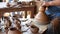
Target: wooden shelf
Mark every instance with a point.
(30, 8)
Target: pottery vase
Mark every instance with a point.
(41, 16)
(17, 24)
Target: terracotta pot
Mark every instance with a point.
(17, 24)
(7, 23)
(34, 29)
(14, 31)
(8, 4)
(41, 17)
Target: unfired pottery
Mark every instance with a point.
(41, 17)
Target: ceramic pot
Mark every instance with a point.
(8, 4)
(41, 17)
(17, 24)
(34, 29)
(7, 23)
(14, 31)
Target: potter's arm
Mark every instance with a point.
(52, 3)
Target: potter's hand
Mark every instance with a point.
(51, 3)
(45, 4)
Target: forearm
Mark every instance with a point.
(52, 3)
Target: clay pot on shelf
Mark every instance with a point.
(14, 31)
(23, 3)
(8, 4)
(34, 29)
(32, 3)
(41, 17)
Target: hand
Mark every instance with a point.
(45, 4)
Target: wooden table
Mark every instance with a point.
(42, 28)
(24, 29)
